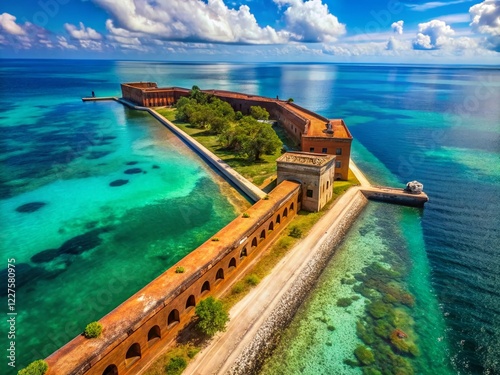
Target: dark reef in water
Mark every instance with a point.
(30, 207)
(118, 182)
(155, 166)
(97, 155)
(132, 163)
(83, 242)
(133, 171)
(45, 256)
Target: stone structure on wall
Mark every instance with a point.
(315, 173)
(310, 131)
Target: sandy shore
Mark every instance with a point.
(257, 320)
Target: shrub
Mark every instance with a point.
(215, 239)
(176, 365)
(179, 270)
(93, 330)
(38, 367)
(238, 288)
(212, 316)
(246, 215)
(295, 232)
(364, 355)
(192, 352)
(252, 279)
(330, 327)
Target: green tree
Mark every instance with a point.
(39, 367)
(212, 316)
(184, 107)
(258, 138)
(259, 113)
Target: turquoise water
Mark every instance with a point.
(97, 200)
(440, 125)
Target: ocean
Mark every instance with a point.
(429, 275)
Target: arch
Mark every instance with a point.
(173, 317)
(278, 219)
(292, 206)
(232, 263)
(191, 302)
(154, 334)
(271, 226)
(243, 253)
(254, 242)
(110, 370)
(262, 236)
(220, 274)
(133, 354)
(285, 212)
(327, 184)
(205, 287)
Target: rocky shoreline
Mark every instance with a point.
(265, 341)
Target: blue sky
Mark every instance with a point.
(397, 31)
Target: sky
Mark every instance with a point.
(371, 31)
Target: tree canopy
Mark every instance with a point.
(244, 135)
(212, 316)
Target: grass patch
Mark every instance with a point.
(174, 361)
(255, 171)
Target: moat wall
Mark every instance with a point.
(141, 327)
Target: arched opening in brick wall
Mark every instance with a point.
(243, 253)
(292, 206)
(278, 219)
(285, 212)
(262, 236)
(219, 275)
(154, 335)
(173, 318)
(271, 226)
(205, 287)
(254, 242)
(110, 370)
(232, 264)
(191, 302)
(133, 354)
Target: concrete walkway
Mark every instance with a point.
(249, 315)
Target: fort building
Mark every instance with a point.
(310, 131)
(315, 173)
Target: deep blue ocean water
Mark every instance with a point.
(439, 125)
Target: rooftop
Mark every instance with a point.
(305, 158)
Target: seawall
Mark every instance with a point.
(252, 191)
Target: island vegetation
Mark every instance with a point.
(250, 144)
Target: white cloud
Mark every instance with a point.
(434, 34)
(82, 33)
(64, 44)
(190, 20)
(9, 25)
(397, 27)
(486, 20)
(311, 21)
(434, 4)
(455, 18)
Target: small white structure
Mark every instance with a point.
(414, 187)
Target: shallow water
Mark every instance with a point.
(97, 201)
